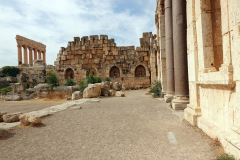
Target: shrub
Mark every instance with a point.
(82, 85)
(5, 90)
(10, 71)
(156, 89)
(91, 79)
(52, 79)
(69, 82)
(226, 157)
(107, 79)
(98, 79)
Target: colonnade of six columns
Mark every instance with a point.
(29, 56)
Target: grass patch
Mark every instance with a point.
(226, 157)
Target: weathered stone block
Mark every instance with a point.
(9, 118)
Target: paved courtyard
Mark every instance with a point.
(135, 127)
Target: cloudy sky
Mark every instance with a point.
(55, 22)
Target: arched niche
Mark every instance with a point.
(114, 72)
(91, 71)
(140, 71)
(69, 74)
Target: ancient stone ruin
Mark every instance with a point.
(101, 57)
(29, 45)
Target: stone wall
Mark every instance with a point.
(101, 57)
(213, 35)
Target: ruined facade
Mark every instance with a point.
(101, 57)
(213, 38)
(29, 46)
(213, 57)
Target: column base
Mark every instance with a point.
(180, 103)
(168, 98)
(191, 114)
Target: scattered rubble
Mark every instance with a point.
(29, 119)
(9, 118)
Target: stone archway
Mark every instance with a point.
(140, 71)
(69, 74)
(91, 71)
(114, 72)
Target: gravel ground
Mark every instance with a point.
(28, 105)
(134, 127)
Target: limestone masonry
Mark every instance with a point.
(101, 57)
(206, 33)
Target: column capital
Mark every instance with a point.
(19, 45)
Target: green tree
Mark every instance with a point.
(156, 89)
(5, 90)
(91, 79)
(82, 85)
(10, 71)
(69, 82)
(52, 79)
(98, 79)
(107, 79)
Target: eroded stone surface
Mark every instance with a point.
(92, 91)
(29, 119)
(9, 118)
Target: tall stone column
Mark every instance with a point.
(30, 56)
(169, 51)
(19, 54)
(44, 57)
(162, 52)
(25, 55)
(35, 54)
(180, 54)
(39, 55)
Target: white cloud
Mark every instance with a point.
(55, 22)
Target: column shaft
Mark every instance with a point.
(35, 54)
(30, 56)
(39, 55)
(180, 48)
(169, 47)
(44, 57)
(19, 54)
(25, 55)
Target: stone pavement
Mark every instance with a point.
(132, 127)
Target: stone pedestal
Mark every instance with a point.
(180, 103)
(168, 98)
(191, 114)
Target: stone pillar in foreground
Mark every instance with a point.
(30, 56)
(25, 55)
(35, 54)
(19, 54)
(39, 55)
(169, 51)
(180, 55)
